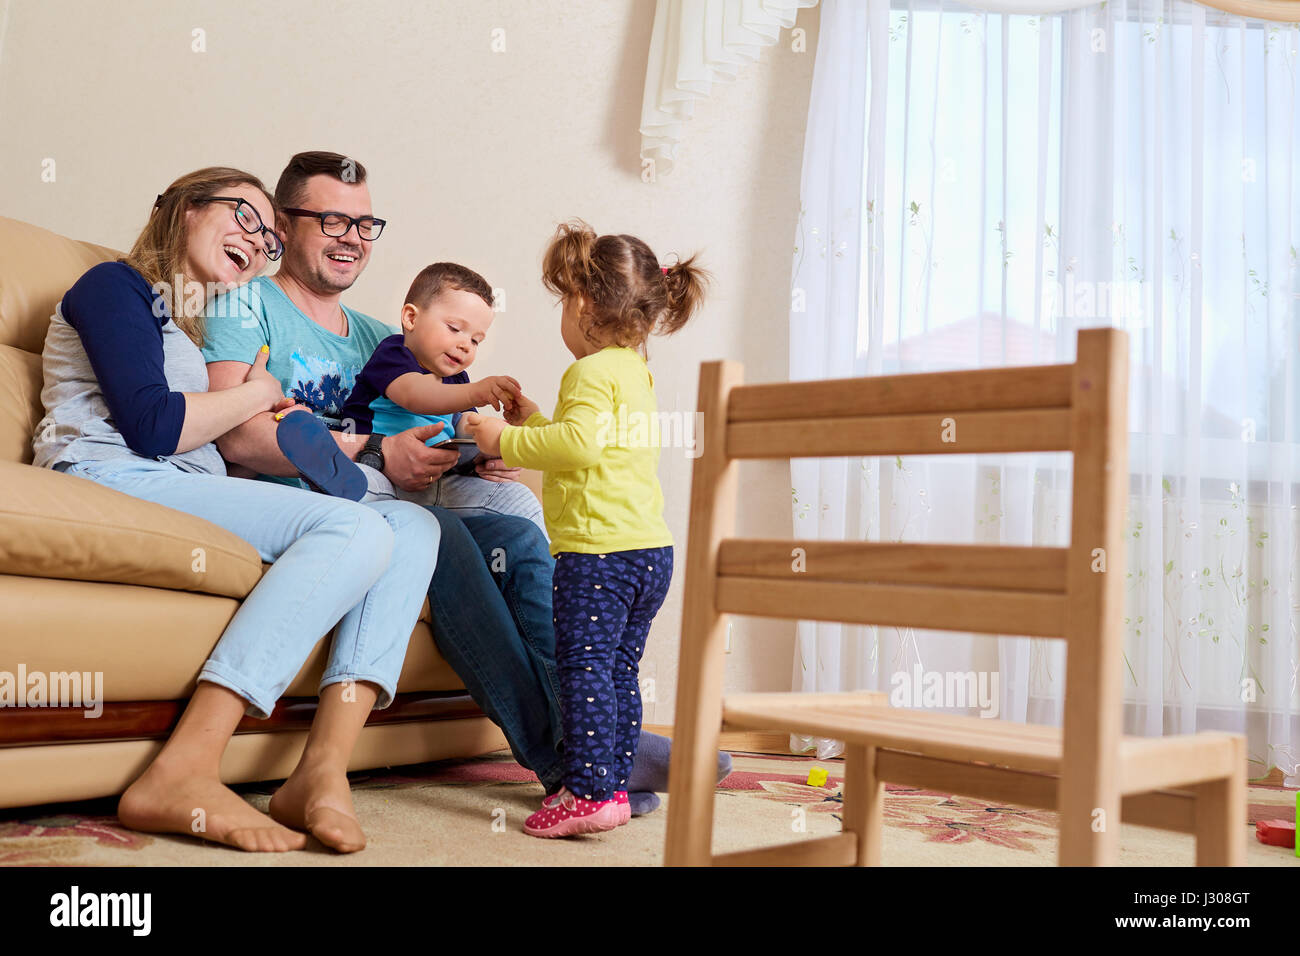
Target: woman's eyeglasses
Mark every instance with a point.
(251, 223)
(336, 224)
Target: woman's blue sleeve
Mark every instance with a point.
(112, 308)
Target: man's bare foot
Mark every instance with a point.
(320, 802)
(164, 800)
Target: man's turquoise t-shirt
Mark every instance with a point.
(315, 367)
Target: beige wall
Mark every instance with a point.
(473, 155)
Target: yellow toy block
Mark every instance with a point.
(817, 777)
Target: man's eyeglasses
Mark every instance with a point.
(251, 223)
(336, 224)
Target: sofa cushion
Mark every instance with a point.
(54, 525)
(20, 403)
(39, 266)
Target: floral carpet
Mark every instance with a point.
(469, 812)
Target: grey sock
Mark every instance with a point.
(642, 802)
(650, 765)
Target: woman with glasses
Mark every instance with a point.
(127, 406)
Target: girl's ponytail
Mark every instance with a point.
(625, 294)
(684, 284)
(567, 264)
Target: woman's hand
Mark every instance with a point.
(286, 405)
(520, 410)
(266, 383)
(486, 433)
(496, 390)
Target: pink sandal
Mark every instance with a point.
(564, 814)
(624, 808)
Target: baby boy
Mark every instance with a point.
(418, 377)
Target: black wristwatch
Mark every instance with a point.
(373, 453)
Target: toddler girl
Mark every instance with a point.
(602, 503)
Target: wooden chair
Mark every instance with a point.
(1087, 770)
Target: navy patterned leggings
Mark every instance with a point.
(604, 604)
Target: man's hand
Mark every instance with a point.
(520, 410)
(494, 469)
(486, 433)
(412, 465)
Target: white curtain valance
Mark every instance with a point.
(694, 44)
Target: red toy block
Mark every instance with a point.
(1275, 832)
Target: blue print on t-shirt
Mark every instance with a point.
(321, 384)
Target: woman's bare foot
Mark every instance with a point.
(319, 800)
(167, 800)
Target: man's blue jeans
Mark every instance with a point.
(491, 603)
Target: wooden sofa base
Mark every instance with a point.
(43, 772)
(124, 720)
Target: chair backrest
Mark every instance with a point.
(1075, 593)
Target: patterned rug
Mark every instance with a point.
(469, 812)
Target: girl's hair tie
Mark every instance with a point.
(664, 270)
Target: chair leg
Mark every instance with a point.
(1221, 817)
(1089, 837)
(693, 766)
(692, 769)
(692, 784)
(864, 798)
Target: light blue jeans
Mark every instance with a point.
(365, 567)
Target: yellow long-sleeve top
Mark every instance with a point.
(599, 457)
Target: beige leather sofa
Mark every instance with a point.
(96, 582)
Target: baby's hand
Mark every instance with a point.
(520, 410)
(496, 390)
(486, 432)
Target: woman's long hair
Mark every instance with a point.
(159, 251)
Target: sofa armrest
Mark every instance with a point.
(54, 525)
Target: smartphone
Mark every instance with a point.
(469, 453)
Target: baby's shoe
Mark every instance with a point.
(624, 808)
(564, 814)
(307, 443)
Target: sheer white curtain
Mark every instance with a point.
(978, 189)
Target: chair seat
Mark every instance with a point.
(1145, 763)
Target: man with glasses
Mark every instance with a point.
(336, 224)
(494, 627)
